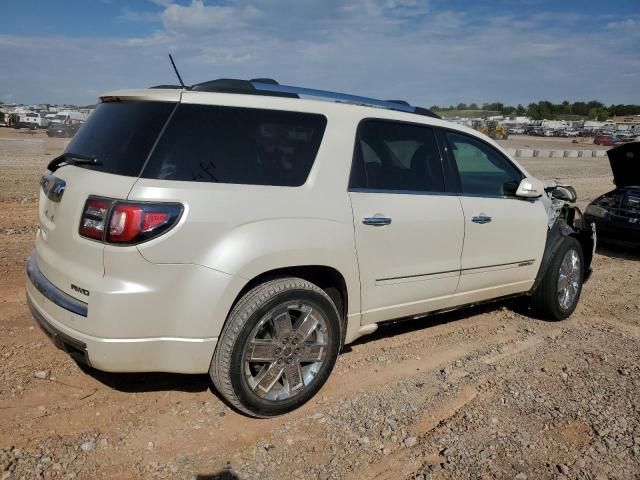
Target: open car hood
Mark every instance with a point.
(625, 164)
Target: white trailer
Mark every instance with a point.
(67, 116)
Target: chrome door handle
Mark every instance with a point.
(482, 218)
(376, 221)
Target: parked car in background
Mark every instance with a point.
(31, 120)
(569, 132)
(617, 213)
(516, 131)
(606, 140)
(68, 117)
(67, 129)
(626, 137)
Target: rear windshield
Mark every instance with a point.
(206, 143)
(120, 135)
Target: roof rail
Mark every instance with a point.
(399, 105)
(268, 86)
(402, 102)
(333, 96)
(264, 80)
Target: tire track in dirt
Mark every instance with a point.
(402, 463)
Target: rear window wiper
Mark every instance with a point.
(72, 159)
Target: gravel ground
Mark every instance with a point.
(484, 393)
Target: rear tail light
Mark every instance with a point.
(94, 218)
(121, 222)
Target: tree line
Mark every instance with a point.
(544, 109)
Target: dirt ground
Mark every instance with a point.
(483, 393)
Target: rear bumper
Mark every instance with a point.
(50, 307)
(74, 347)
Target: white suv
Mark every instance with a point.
(235, 228)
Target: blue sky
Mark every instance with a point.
(427, 52)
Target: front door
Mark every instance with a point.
(504, 235)
(408, 231)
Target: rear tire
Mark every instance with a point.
(277, 348)
(557, 295)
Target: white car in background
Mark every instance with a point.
(569, 132)
(32, 120)
(249, 230)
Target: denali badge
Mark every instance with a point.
(79, 290)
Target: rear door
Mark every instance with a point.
(408, 230)
(120, 136)
(504, 235)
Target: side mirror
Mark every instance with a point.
(530, 188)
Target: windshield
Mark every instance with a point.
(120, 135)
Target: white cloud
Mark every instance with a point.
(200, 17)
(627, 25)
(385, 48)
(219, 56)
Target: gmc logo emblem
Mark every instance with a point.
(76, 288)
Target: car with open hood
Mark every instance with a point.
(616, 214)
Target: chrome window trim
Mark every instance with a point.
(439, 194)
(53, 293)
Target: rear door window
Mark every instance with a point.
(396, 157)
(120, 135)
(205, 143)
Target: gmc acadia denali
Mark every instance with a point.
(249, 230)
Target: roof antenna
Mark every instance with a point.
(175, 69)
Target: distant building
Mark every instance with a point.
(593, 125)
(555, 124)
(626, 120)
(626, 123)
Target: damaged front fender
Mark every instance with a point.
(568, 222)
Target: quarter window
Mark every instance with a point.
(483, 170)
(237, 145)
(396, 157)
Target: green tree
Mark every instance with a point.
(533, 111)
(520, 110)
(580, 108)
(474, 106)
(598, 113)
(494, 107)
(461, 106)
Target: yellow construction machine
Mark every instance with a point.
(492, 129)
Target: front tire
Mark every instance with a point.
(557, 295)
(277, 348)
